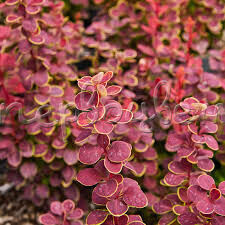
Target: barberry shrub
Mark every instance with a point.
(112, 111)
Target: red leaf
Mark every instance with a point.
(116, 207)
(135, 197)
(119, 151)
(112, 167)
(68, 206)
(56, 208)
(48, 219)
(89, 154)
(96, 217)
(206, 182)
(88, 177)
(106, 189)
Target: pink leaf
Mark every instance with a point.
(48, 219)
(113, 167)
(188, 218)
(135, 197)
(107, 188)
(196, 193)
(211, 142)
(113, 90)
(89, 154)
(88, 177)
(96, 217)
(56, 208)
(205, 206)
(162, 207)
(103, 127)
(119, 151)
(68, 206)
(206, 182)
(28, 170)
(116, 207)
(222, 187)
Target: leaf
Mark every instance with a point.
(68, 174)
(113, 111)
(122, 219)
(103, 127)
(88, 176)
(75, 214)
(41, 77)
(173, 179)
(119, 151)
(206, 182)
(96, 113)
(37, 40)
(136, 223)
(26, 148)
(96, 217)
(130, 53)
(177, 168)
(68, 206)
(103, 140)
(11, 2)
(113, 90)
(102, 90)
(208, 127)
(179, 209)
(196, 193)
(28, 170)
(70, 157)
(182, 194)
(135, 197)
(42, 191)
(133, 218)
(206, 165)
(107, 77)
(117, 207)
(25, 47)
(222, 187)
(13, 19)
(48, 219)
(112, 167)
(126, 116)
(188, 218)
(32, 9)
(89, 154)
(84, 134)
(85, 100)
(137, 168)
(220, 206)
(205, 206)
(56, 208)
(30, 25)
(214, 194)
(211, 142)
(162, 207)
(107, 188)
(151, 168)
(211, 110)
(40, 150)
(84, 82)
(56, 91)
(167, 219)
(98, 200)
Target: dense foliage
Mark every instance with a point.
(113, 111)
